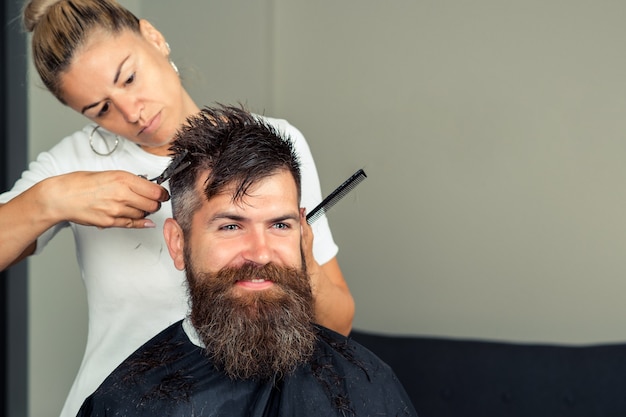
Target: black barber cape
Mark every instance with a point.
(170, 376)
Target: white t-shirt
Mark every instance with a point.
(133, 289)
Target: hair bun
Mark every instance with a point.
(34, 11)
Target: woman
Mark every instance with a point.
(100, 60)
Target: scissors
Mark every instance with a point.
(176, 166)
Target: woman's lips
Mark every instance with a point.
(151, 126)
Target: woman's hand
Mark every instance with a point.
(334, 305)
(103, 199)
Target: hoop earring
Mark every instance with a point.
(175, 67)
(117, 141)
(169, 50)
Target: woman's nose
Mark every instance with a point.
(129, 108)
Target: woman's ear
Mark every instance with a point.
(175, 241)
(152, 35)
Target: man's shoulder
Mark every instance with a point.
(146, 376)
(356, 378)
(349, 351)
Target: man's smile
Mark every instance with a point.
(255, 284)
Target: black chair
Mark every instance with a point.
(455, 378)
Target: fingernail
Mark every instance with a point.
(149, 224)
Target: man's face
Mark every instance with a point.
(251, 298)
(263, 228)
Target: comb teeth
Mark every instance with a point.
(334, 197)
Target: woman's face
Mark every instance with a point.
(125, 83)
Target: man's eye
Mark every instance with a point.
(230, 227)
(281, 226)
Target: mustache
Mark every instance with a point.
(228, 276)
(247, 272)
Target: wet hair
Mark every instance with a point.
(61, 27)
(237, 148)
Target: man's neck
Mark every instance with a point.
(191, 333)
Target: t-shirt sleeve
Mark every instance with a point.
(324, 247)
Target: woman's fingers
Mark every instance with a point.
(107, 199)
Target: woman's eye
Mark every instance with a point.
(104, 109)
(130, 79)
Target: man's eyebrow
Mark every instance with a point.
(115, 79)
(294, 217)
(226, 216)
(239, 218)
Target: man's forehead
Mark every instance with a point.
(283, 176)
(278, 190)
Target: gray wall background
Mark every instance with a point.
(493, 134)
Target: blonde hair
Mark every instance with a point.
(60, 27)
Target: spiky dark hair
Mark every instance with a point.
(237, 149)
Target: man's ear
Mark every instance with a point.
(175, 241)
(152, 35)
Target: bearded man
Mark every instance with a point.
(249, 346)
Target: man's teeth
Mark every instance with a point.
(257, 280)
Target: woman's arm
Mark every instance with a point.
(334, 305)
(22, 220)
(15, 242)
(102, 199)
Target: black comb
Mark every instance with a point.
(332, 199)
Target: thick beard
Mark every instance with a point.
(254, 334)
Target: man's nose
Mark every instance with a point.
(257, 248)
